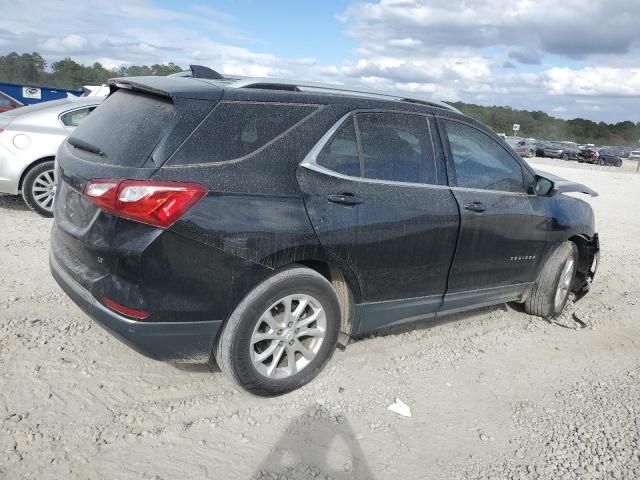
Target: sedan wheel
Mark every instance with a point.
(38, 188)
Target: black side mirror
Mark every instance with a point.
(544, 187)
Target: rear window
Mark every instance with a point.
(237, 129)
(126, 127)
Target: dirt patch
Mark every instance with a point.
(493, 394)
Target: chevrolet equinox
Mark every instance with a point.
(251, 221)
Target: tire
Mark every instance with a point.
(529, 153)
(565, 157)
(35, 184)
(542, 300)
(601, 162)
(236, 355)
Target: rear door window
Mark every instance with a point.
(237, 129)
(127, 127)
(397, 147)
(481, 162)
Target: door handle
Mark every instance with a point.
(475, 207)
(345, 199)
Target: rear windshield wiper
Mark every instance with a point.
(82, 145)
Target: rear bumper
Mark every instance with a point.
(168, 341)
(11, 169)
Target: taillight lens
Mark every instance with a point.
(155, 203)
(129, 312)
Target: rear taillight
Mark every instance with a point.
(129, 312)
(155, 203)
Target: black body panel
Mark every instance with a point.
(407, 251)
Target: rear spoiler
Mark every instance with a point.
(172, 87)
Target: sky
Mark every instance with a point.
(569, 58)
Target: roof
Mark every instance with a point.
(234, 81)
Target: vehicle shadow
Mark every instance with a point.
(319, 443)
(12, 202)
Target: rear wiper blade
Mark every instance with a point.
(82, 145)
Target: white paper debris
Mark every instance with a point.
(400, 408)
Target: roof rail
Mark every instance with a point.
(302, 86)
(234, 81)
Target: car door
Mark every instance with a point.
(376, 194)
(499, 246)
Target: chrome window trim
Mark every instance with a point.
(310, 160)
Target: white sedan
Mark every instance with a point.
(29, 139)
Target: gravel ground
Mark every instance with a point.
(493, 394)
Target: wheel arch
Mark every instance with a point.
(32, 165)
(587, 249)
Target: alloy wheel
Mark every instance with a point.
(42, 190)
(288, 336)
(564, 284)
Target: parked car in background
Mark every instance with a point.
(610, 156)
(588, 154)
(634, 155)
(569, 150)
(29, 139)
(253, 220)
(7, 103)
(539, 147)
(553, 149)
(522, 147)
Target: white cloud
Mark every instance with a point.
(442, 49)
(600, 81)
(69, 44)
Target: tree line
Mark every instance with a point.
(542, 126)
(31, 68)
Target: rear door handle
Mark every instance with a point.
(475, 207)
(345, 199)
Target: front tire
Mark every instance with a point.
(282, 333)
(529, 153)
(37, 188)
(551, 290)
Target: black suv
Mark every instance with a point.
(252, 222)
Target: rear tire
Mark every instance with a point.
(277, 364)
(529, 153)
(37, 188)
(551, 290)
(565, 156)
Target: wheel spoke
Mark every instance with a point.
(261, 357)
(310, 332)
(287, 317)
(291, 360)
(267, 317)
(277, 355)
(310, 319)
(306, 353)
(40, 196)
(259, 337)
(302, 305)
